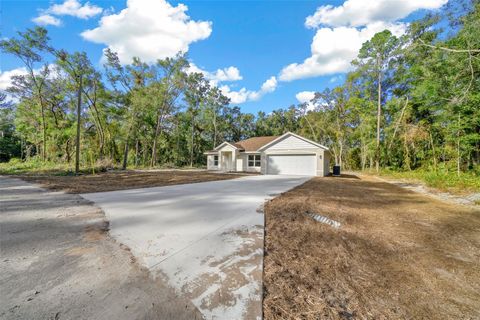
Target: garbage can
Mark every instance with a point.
(336, 170)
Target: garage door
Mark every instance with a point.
(303, 165)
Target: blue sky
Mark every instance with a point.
(265, 55)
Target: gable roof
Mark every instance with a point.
(224, 143)
(255, 143)
(294, 135)
(260, 143)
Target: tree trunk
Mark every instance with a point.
(67, 151)
(434, 156)
(193, 138)
(125, 153)
(215, 128)
(155, 137)
(458, 147)
(136, 152)
(379, 113)
(44, 125)
(407, 153)
(79, 112)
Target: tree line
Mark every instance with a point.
(409, 102)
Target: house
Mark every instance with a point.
(288, 154)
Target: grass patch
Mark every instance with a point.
(36, 166)
(441, 179)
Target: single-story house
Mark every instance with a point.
(288, 154)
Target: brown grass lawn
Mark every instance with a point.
(119, 180)
(397, 255)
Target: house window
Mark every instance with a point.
(254, 160)
(215, 161)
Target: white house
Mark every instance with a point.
(288, 154)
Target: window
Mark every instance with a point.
(215, 161)
(254, 160)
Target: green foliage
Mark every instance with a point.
(34, 165)
(442, 179)
(409, 103)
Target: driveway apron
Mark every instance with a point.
(204, 239)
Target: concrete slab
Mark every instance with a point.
(205, 239)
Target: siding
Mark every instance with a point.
(210, 163)
(242, 164)
(292, 143)
(326, 163)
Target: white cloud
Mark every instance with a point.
(269, 85)
(148, 29)
(6, 76)
(221, 75)
(343, 29)
(305, 96)
(46, 19)
(76, 9)
(357, 13)
(68, 8)
(334, 48)
(244, 95)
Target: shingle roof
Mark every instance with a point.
(255, 143)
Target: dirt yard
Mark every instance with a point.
(58, 262)
(119, 180)
(397, 255)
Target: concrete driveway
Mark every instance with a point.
(204, 239)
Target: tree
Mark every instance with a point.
(10, 144)
(29, 48)
(374, 57)
(196, 91)
(167, 88)
(124, 81)
(77, 66)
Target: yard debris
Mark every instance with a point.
(324, 219)
(398, 254)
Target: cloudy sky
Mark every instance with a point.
(263, 54)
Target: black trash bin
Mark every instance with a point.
(336, 170)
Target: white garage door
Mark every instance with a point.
(302, 165)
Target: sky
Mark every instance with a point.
(264, 55)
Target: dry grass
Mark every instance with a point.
(398, 254)
(119, 180)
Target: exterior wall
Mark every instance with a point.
(221, 153)
(290, 145)
(326, 163)
(291, 142)
(210, 163)
(242, 163)
(294, 145)
(318, 152)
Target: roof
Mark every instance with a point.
(255, 143)
(294, 135)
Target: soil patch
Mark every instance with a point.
(397, 255)
(59, 262)
(120, 180)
